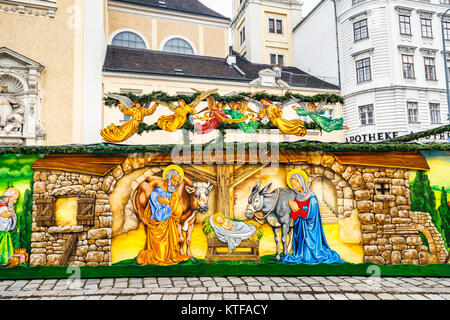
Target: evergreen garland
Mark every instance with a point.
(299, 146)
(144, 127)
(422, 134)
(329, 98)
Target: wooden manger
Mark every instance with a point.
(248, 250)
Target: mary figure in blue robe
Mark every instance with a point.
(309, 244)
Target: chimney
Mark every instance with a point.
(277, 71)
(231, 58)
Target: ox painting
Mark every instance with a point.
(171, 197)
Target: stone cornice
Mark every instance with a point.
(426, 14)
(30, 7)
(428, 52)
(369, 50)
(31, 63)
(406, 49)
(359, 14)
(404, 10)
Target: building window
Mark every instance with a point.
(178, 45)
(279, 26)
(273, 58)
(363, 72)
(445, 1)
(447, 30)
(405, 24)
(413, 112)
(242, 35)
(276, 59)
(275, 26)
(129, 39)
(360, 30)
(408, 66)
(430, 68)
(271, 25)
(427, 31)
(366, 114)
(435, 113)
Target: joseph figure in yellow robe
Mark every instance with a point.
(160, 217)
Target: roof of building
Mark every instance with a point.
(189, 6)
(143, 61)
(102, 164)
(98, 164)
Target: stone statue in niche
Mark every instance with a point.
(11, 112)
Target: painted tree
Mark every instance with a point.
(444, 213)
(424, 200)
(26, 221)
(422, 196)
(15, 235)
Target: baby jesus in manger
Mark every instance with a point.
(229, 231)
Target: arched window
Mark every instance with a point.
(128, 39)
(178, 45)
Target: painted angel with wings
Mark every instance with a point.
(316, 113)
(274, 113)
(135, 110)
(238, 112)
(212, 118)
(178, 118)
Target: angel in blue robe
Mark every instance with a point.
(308, 241)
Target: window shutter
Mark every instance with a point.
(85, 212)
(45, 212)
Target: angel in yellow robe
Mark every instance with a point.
(275, 113)
(113, 133)
(178, 118)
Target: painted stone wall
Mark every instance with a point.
(378, 197)
(390, 230)
(93, 242)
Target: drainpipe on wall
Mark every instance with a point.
(337, 43)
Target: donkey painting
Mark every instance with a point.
(276, 212)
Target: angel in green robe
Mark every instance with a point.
(238, 113)
(316, 114)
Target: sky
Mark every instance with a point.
(224, 6)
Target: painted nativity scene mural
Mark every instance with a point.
(146, 209)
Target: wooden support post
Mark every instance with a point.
(225, 190)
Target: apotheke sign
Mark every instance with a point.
(381, 136)
(372, 137)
